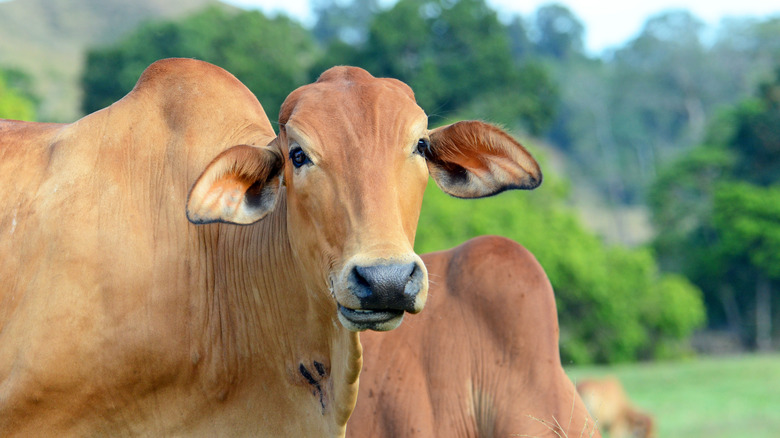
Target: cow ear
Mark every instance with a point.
(239, 186)
(473, 159)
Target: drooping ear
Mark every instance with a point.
(239, 186)
(473, 159)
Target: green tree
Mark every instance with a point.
(557, 32)
(748, 220)
(658, 97)
(270, 56)
(613, 303)
(745, 52)
(442, 49)
(681, 200)
(757, 137)
(346, 21)
(454, 54)
(717, 214)
(15, 101)
(519, 39)
(625, 115)
(531, 112)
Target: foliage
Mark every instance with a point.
(613, 303)
(718, 226)
(257, 50)
(47, 39)
(347, 22)
(660, 76)
(455, 55)
(640, 106)
(15, 101)
(557, 32)
(675, 309)
(532, 112)
(645, 103)
(748, 219)
(681, 202)
(757, 137)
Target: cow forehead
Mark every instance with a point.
(348, 104)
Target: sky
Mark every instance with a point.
(608, 23)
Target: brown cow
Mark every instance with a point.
(120, 317)
(481, 361)
(609, 405)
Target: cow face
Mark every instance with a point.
(354, 154)
(355, 178)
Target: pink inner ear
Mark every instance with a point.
(223, 198)
(231, 197)
(473, 159)
(231, 192)
(220, 192)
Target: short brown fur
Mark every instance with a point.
(496, 372)
(120, 317)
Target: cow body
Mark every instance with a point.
(121, 318)
(495, 373)
(170, 266)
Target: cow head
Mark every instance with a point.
(353, 155)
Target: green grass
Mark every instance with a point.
(710, 397)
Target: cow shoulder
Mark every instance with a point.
(499, 264)
(501, 283)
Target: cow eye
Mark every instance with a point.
(422, 147)
(298, 157)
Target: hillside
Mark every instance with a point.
(48, 40)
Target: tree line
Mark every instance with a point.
(717, 211)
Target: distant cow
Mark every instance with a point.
(609, 405)
(481, 361)
(119, 316)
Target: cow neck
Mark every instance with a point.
(264, 314)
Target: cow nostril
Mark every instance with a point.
(384, 275)
(385, 286)
(359, 274)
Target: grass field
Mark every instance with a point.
(731, 397)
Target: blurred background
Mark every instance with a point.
(658, 131)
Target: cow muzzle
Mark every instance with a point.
(375, 296)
